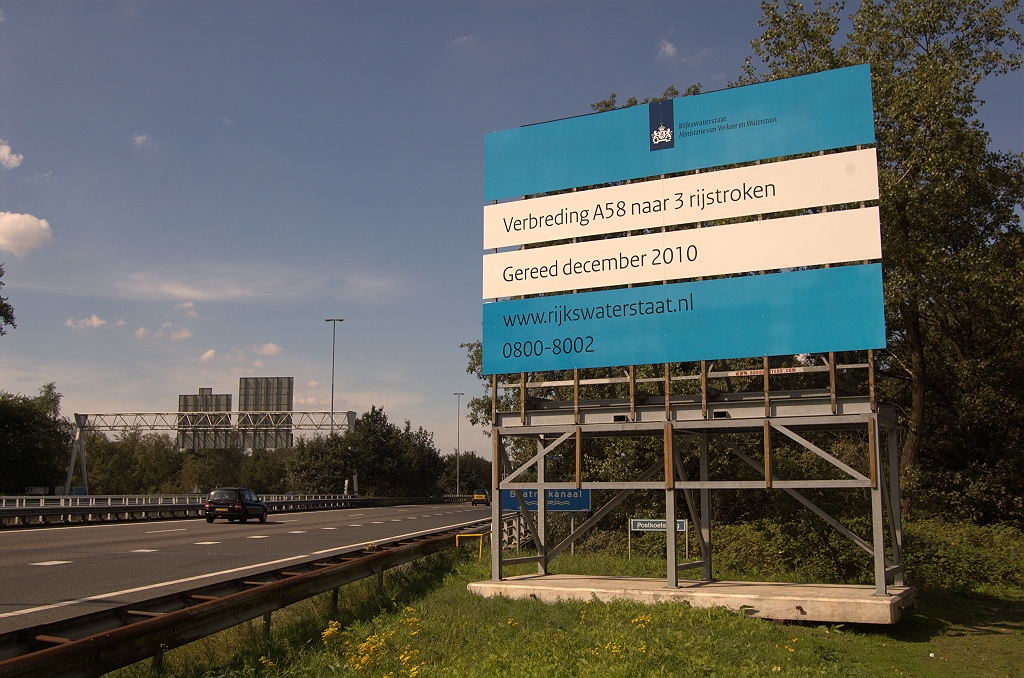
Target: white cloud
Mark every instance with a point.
(464, 41)
(226, 120)
(1, 17)
(141, 139)
(8, 159)
(666, 50)
(141, 332)
(183, 333)
(312, 384)
(92, 321)
(258, 363)
(22, 233)
(267, 349)
(207, 356)
(121, 322)
(189, 308)
(307, 401)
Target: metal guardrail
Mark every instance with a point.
(20, 510)
(94, 644)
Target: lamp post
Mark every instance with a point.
(334, 331)
(458, 427)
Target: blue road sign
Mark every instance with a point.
(558, 500)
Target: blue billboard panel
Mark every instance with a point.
(831, 109)
(558, 500)
(810, 311)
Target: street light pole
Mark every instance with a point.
(334, 331)
(458, 428)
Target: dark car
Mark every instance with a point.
(235, 503)
(481, 497)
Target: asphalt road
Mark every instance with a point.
(54, 573)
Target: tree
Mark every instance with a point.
(321, 464)
(6, 310)
(474, 472)
(35, 441)
(951, 233)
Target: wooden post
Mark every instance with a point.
(767, 401)
(522, 398)
(668, 393)
(871, 381)
(632, 392)
(767, 454)
(832, 379)
(703, 389)
(576, 395)
(579, 455)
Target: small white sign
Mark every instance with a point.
(790, 242)
(833, 179)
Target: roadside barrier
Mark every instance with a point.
(45, 510)
(94, 644)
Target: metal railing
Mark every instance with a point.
(41, 510)
(94, 644)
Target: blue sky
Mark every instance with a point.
(218, 178)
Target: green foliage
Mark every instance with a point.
(35, 441)
(321, 464)
(952, 237)
(390, 461)
(6, 310)
(474, 473)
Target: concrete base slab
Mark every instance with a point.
(832, 603)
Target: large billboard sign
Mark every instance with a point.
(832, 179)
(655, 230)
(809, 113)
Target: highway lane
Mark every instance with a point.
(49, 574)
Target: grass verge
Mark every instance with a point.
(425, 623)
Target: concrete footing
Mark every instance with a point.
(830, 603)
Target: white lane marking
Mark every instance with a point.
(356, 515)
(205, 543)
(411, 518)
(293, 520)
(144, 551)
(328, 528)
(396, 520)
(112, 594)
(297, 532)
(177, 529)
(52, 562)
(438, 514)
(426, 515)
(352, 525)
(259, 536)
(376, 522)
(7, 533)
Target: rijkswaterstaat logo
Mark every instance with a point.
(662, 115)
(662, 135)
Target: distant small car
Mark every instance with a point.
(481, 497)
(235, 503)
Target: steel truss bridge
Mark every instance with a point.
(117, 422)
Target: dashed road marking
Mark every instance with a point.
(297, 532)
(205, 543)
(144, 551)
(328, 528)
(177, 529)
(53, 562)
(258, 536)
